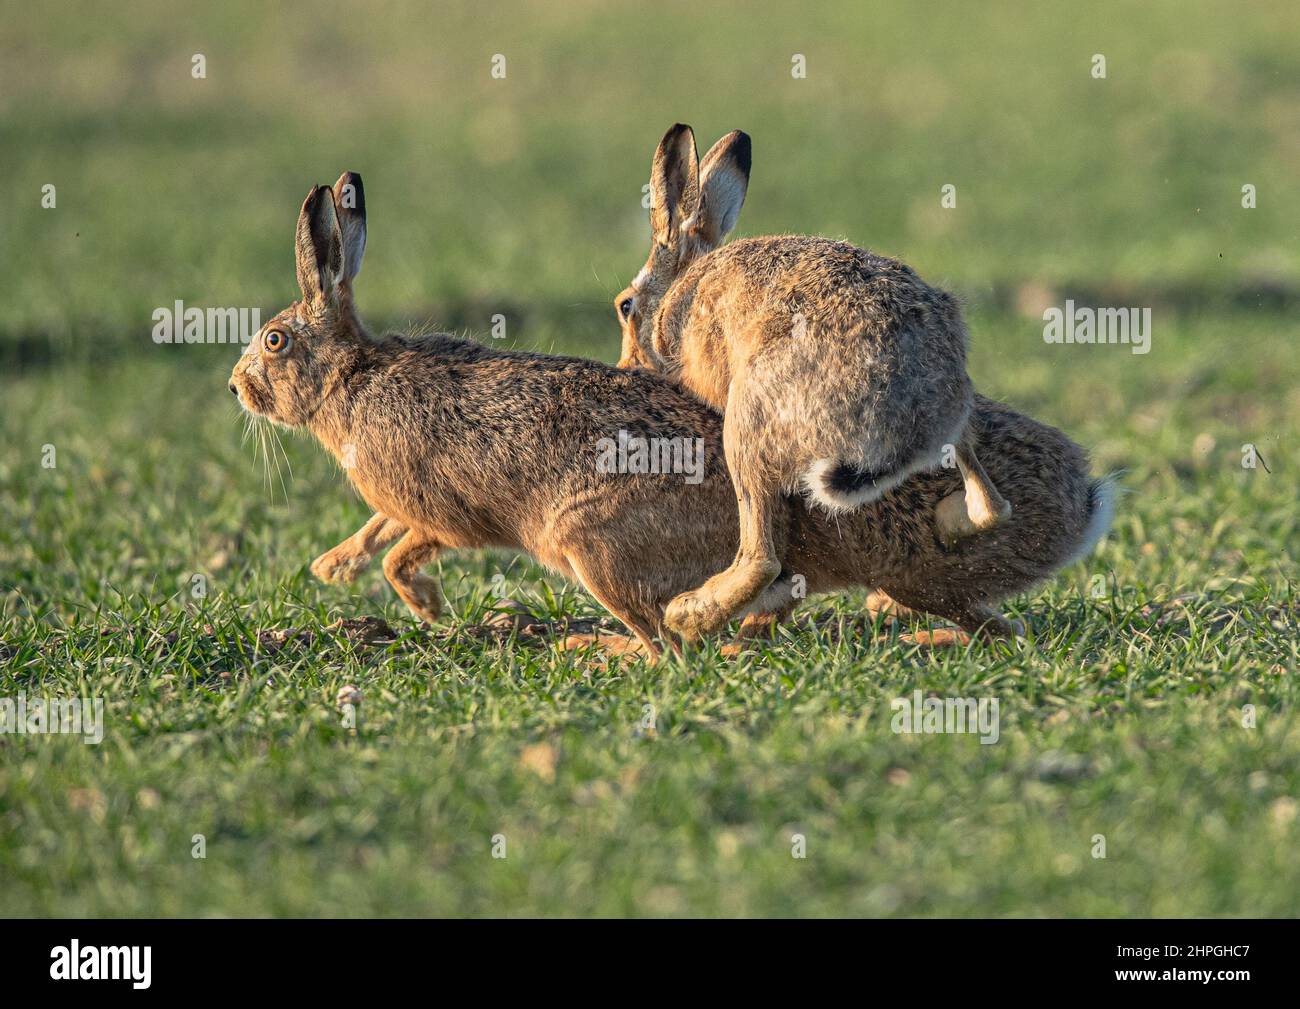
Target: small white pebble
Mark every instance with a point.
(349, 695)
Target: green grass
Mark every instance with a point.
(527, 190)
(1121, 712)
(208, 732)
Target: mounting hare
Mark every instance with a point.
(455, 444)
(839, 371)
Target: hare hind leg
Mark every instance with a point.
(987, 624)
(707, 609)
(882, 606)
(978, 507)
(608, 642)
(974, 619)
(971, 619)
(759, 626)
(402, 569)
(763, 624)
(587, 571)
(978, 622)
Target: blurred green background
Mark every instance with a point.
(522, 196)
(525, 192)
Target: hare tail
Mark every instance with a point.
(1101, 511)
(840, 486)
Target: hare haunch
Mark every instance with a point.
(839, 371)
(458, 445)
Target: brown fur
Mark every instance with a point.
(458, 445)
(839, 371)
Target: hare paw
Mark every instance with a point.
(943, 637)
(694, 614)
(339, 566)
(613, 644)
(422, 597)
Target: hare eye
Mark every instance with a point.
(276, 341)
(625, 309)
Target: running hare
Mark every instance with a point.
(455, 445)
(838, 370)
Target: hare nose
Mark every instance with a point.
(232, 388)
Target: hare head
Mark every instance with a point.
(303, 354)
(694, 205)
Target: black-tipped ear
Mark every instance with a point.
(318, 248)
(724, 180)
(350, 205)
(674, 183)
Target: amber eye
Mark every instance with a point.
(625, 309)
(276, 341)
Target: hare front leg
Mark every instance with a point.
(347, 560)
(402, 568)
(705, 610)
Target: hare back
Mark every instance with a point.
(850, 356)
(778, 289)
(484, 447)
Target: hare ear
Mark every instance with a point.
(724, 179)
(350, 205)
(674, 183)
(318, 248)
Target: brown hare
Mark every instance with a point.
(454, 444)
(839, 371)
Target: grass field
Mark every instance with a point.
(1153, 702)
